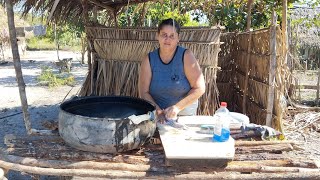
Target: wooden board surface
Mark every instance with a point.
(190, 146)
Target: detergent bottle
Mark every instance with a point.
(221, 131)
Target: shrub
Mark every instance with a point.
(48, 78)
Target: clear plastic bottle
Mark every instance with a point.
(222, 123)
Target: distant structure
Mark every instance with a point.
(304, 36)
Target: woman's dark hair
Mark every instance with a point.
(170, 22)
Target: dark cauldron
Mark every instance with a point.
(106, 124)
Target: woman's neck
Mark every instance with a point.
(166, 55)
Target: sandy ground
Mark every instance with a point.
(43, 101)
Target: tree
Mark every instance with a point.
(17, 65)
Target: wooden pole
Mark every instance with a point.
(249, 7)
(95, 14)
(56, 2)
(272, 172)
(283, 63)
(17, 66)
(285, 29)
(247, 72)
(56, 39)
(85, 17)
(115, 17)
(318, 86)
(272, 69)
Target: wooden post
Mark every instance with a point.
(247, 72)
(283, 63)
(95, 14)
(56, 2)
(249, 7)
(318, 86)
(272, 70)
(17, 66)
(85, 18)
(56, 39)
(115, 17)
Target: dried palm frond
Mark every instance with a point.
(199, 34)
(135, 50)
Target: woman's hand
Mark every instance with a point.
(160, 116)
(171, 112)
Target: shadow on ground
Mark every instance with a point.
(12, 122)
(32, 70)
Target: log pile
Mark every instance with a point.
(49, 155)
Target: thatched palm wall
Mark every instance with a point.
(237, 60)
(117, 54)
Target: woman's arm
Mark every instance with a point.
(195, 77)
(144, 83)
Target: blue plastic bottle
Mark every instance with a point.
(222, 123)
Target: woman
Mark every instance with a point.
(170, 76)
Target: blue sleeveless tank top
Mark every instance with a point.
(169, 83)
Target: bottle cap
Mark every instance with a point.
(223, 104)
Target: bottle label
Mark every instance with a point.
(217, 130)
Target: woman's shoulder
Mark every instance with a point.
(189, 56)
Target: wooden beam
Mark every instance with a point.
(259, 143)
(95, 14)
(272, 69)
(249, 7)
(72, 172)
(283, 64)
(85, 14)
(247, 71)
(285, 29)
(17, 66)
(56, 2)
(102, 5)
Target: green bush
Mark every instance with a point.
(48, 78)
(36, 43)
(44, 43)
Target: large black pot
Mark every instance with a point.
(106, 124)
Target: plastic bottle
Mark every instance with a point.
(221, 127)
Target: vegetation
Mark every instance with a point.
(48, 78)
(231, 14)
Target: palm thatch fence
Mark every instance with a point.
(248, 73)
(248, 60)
(117, 54)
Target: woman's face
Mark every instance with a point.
(168, 37)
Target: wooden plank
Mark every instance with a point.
(257, 143)
(258, 156)
(271, 163)
(63, 164)
(274, 148)
(307, 86)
